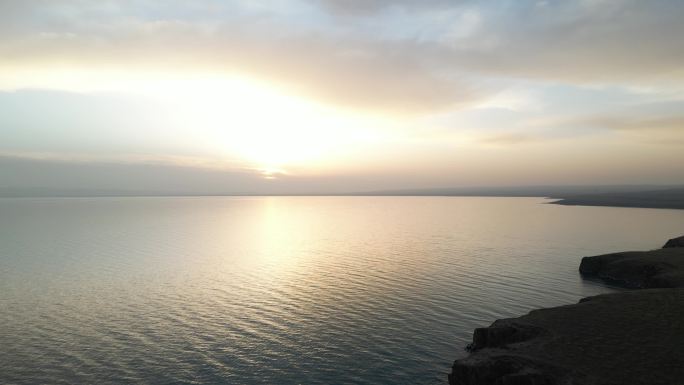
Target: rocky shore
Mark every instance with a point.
(633, 337)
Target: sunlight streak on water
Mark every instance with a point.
(291, 289)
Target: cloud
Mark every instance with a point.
(43, 172)
(414, 60)
(631, 123)
(647, 123)
(507, 139)
(54, 174)
(664, 130)
(409, 59)
(347, 70)
(370, 7)
(582, 42)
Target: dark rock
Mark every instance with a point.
(674, 242)
(504, 370)
(495, 336)
(633, 337)
(638, 269)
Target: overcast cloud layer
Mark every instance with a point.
(458, 92)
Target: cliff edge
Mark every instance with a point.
(633, 337)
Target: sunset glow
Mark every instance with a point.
(341, 191)
(336, 96)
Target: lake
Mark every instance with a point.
(288, 290)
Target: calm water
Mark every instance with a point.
(323, 290)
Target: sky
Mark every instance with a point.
(296, 96)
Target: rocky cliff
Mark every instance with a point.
(638, 269)
(674, 242)
(632, 337)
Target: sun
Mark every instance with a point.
(270, 129)
(227, 116)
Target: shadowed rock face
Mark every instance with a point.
(638, 269)
(674, 242)
(634, 338)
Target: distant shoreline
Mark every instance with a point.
(555, 201)
(657, 197)
(589, 203)
(654, 199)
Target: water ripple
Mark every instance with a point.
(287, 290)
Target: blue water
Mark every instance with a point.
(288, 290)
